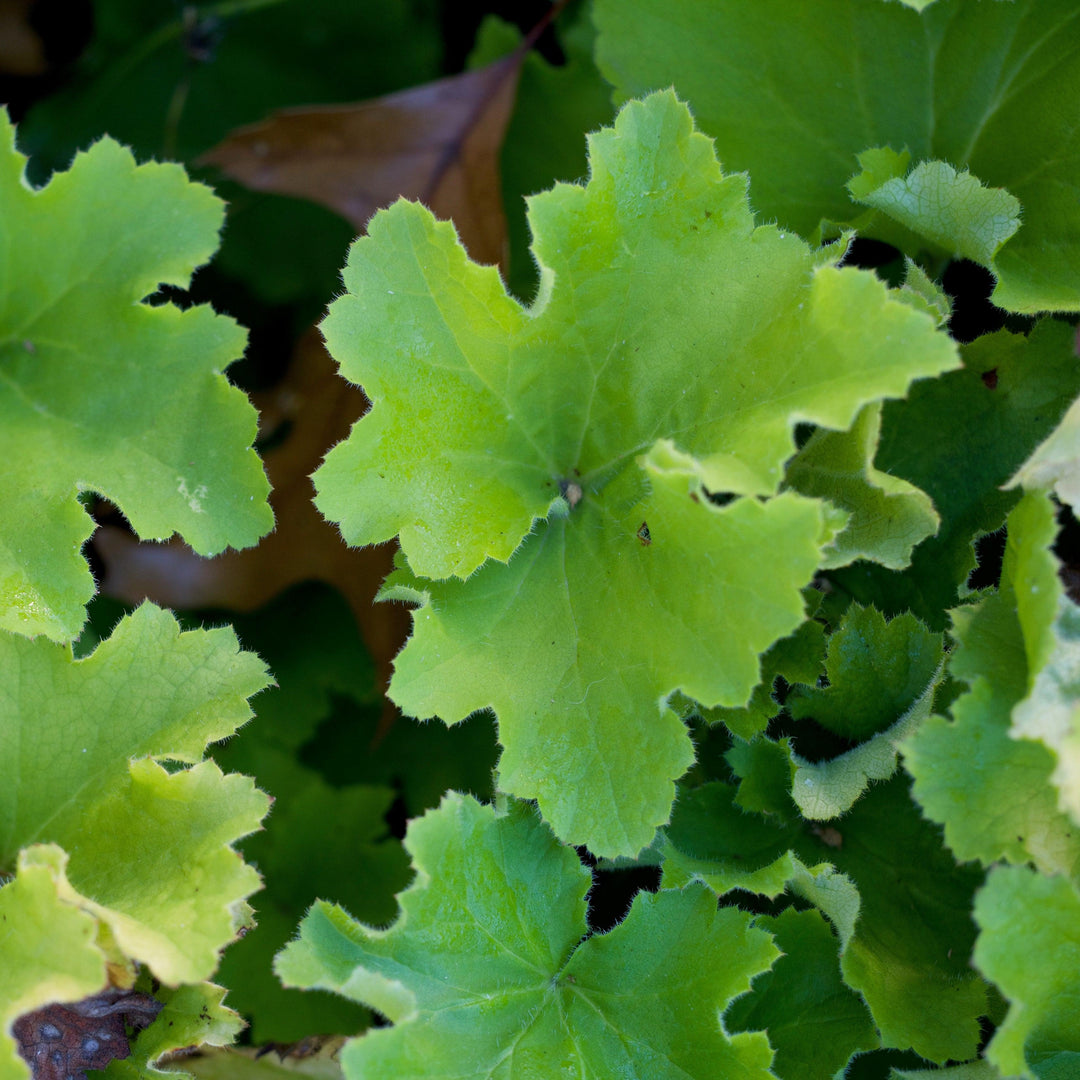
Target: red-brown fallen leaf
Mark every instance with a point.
(60, 1042)
(320, 407)
(438, 143)
(21, 49)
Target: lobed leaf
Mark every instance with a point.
(79, 349)
(485, 972)
(656, 364)
(988, 89)
(146, 851)
(1028, 945)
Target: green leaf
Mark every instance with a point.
(47, 953)
(882, 681)
(909, 949)
(877, 670)
(545, 414)
(990, 789)
(959, 438)
(486, 971)
(150, 850)
(1050, 624)
(948, 210)
(192, 1016)
(988, 88)
(78, 350)
(1028, 946)
(814, 1022)
(976, 1070)
(889, 516)
(554, 106)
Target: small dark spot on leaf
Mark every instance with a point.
(644, 535)
(990, 378)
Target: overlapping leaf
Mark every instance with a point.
(100, 392)
(144, 850)
(486, 973)
(991, 790)
(990, 89)
(960, 438)
(657, 363)
(1028, 945)
(899, 903)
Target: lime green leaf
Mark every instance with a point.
(78, 350)
(548, 414)
(959, 438)
(991, 790)
(311, 1059)
(150, 851)
(981, 86)
(815, 1022)
(909, 950)
(593, 673)
(948, 210)
(889, 516)
(47, 953)
(192, 1016)
(876, 670)
(419, 315)
(1028, 945)
(486, 971)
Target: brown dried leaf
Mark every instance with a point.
(319, 408)
(60, 1042)
(438, 143)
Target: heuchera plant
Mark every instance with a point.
(695, 528)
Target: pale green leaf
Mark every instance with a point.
(976, 1070)
(47, 953)
(488, 417)
(150, 850)
(990, 790)
(993, 89)
(924, 294)
(102, 393)
(486, 973)
(889, 516)
(1029, 946)
(949, 211)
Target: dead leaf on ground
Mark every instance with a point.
(310, 410)
(21, 49)
(438, 143)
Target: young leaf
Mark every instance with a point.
(949, 211)
(486, 971)
(889, 516)
(150, 851)
(877, 670)
(491, 422)
(79, 350)
(1028, 945)
(987, 88)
